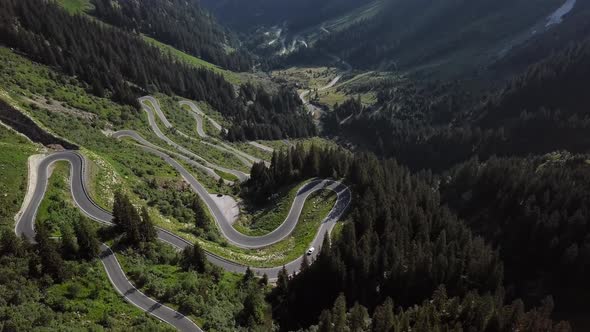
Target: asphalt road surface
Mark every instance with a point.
(154, 126)
(25, 225)
(198, 114)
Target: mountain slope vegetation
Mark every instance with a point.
(408, 33)
(123, 67)
(469, 164)
(429, 125)
(182, 24)
(296, 15)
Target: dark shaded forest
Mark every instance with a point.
(267, 116)
(442, 313)
(400, 243)
(296, 14)
(536, 211)
(437, 125)
(182, 24)
(498, 170)
(408, 33)
(573, 29)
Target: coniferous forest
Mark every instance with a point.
(430, 125)
(102, 56)
(182, 24)
(122, 66)
(463, 137)
(404, 244)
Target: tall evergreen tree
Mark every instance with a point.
(87, 239)
(69, 243)
(194, 258)
(147, 229)
(10, 244)
(383, 319)
(201, 216)
(51, 261)
(339, 320)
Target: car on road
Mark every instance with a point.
(310, 251)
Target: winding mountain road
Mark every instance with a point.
(154, 126)
(198, 114)
(312, 108)
(25, 224)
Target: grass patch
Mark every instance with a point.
(76, 6)
(88, 293)
(212, 155)
(252, 150)
(316, 208)
(309, 77)
(13, 172)
(57, 207)
(90, 300)
(178, 115)
(212, 299)
(230, 76)
(215, 115)
(267, 218)
(226, 176)
(104, 180)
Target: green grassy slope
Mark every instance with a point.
(76, 6)
(68, 111)
(13, 173)
(194, 61)
(87, 297)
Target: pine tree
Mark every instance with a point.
(87, 240)
(10, 244)
(282, 288)
(252, 313)
(248, 276)
(383, 318)
(51, 262)
(194, 258)
(69, 244)
(119, 218)
(325, 324)
(201, 218)
(359, 318)
(339, 314)
(148, 230)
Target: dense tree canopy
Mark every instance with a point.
(266, 116)
(123, 66)
(137, 227)
(182, 24)
(104, 57)
(434, 126)
(536, 211)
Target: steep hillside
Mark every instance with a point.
(573, 28)
(296, 15)
(457, 35)
(123, 66)
(428, 125)
(182, 24)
